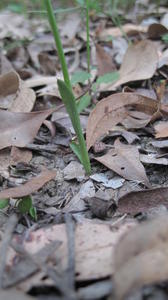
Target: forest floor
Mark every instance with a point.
(65, 234)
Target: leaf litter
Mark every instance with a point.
(90, 216)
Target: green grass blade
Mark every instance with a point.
(69, 101)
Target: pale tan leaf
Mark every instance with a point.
(29, 187)
(141, 257)
(19, 129)
(139, 63)
(14, 94)
(161, 130)
(93, 252)
(114, 109)
(125, 161)
(24, 100)
(129, 29)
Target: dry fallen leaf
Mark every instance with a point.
(141, 201)
(156, 30)
(153, 159)
(161, 130)
(29, 187)
(141, 257)
(125, 161)
(19, 129)
(12, 294)
(104, 61)
(14, 94)
(24, 100)
(114, 109)
(129, 29)
(139, 63)
(93, 252)
(20, 155)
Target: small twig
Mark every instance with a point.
(12, 222)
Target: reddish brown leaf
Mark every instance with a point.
(29, 187)
(114, 109)
(125, 161)
(141, 201)
(104, 61)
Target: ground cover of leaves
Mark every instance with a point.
(102, 236)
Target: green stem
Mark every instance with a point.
(87, 32)
(53, 24)
(69, 101)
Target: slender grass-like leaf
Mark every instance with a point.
(69, 101)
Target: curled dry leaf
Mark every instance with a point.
(125, 161)
(141, 201)
(19, 129)
(114, 109)
(29, 187)
(141, 257)
(14, 94)
(139, 63)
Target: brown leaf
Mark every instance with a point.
(104, 61)
(161, 130)
(129, 29)
(20, 155)
(24, 100)
(141, 201)
(141, 257)
(93, 252)
(9, 84)
(156, 30)
(125, 161)
(114, 109)
(19, 129)
(14, 94)
(29, 187)
(139, 63)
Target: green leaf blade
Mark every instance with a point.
(4, 203)
(80, 77)
(25, 204)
